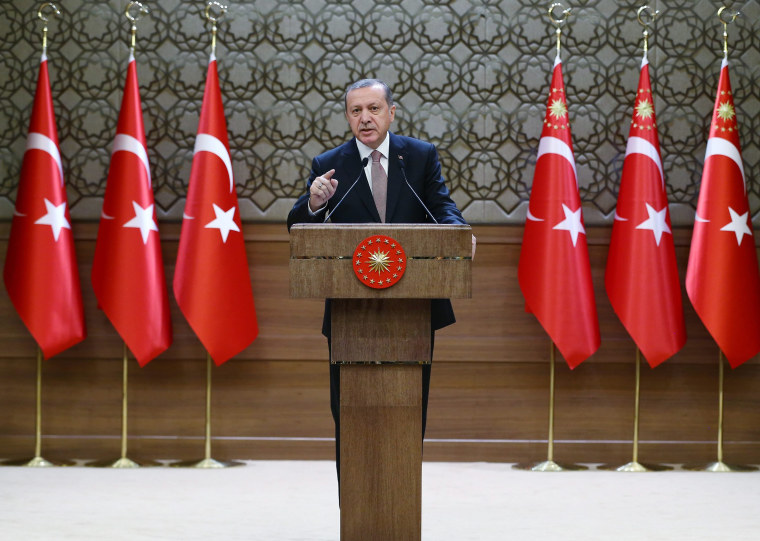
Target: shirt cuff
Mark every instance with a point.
(315, 212)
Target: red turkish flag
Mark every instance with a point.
(40, 272)
(128, 270)
(722, 278)
(642, 276)
(212, 283)
(554, 270)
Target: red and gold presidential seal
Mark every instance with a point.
(379, 261)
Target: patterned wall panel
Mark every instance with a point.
(469, 75)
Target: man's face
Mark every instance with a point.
(368, 114)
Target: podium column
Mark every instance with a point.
(381, 345)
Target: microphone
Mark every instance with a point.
(403, 172)
(364, 164)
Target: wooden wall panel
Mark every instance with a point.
(489, 394)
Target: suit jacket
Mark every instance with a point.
(423, 171)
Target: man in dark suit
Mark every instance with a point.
(381, 194)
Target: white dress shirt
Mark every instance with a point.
(364, 152)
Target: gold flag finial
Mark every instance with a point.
(558, 22)
(142, 10)
(643, 13)
(725, 22)
(41, 15)
(213, 20)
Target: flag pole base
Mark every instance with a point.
(720, 466)
(635, 466)
(36, 462)
(549, 466)
(122, 463)
(207, 464)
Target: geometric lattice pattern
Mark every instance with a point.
(470, 76)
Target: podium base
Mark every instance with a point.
(549, 466)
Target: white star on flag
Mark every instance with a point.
(571, 223)
(143, 221)
(656, 222)
(55, 218)
(224, 222)
(738, 225)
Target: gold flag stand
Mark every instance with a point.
(634, 465)
(719, 465)
(207, 462)
(123, 462)
(549, 465)
(38, 461)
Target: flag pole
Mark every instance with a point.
(634, 465)
(207, 463)
(123, 462)
(37, 461)
(549, 465)
(719, 465)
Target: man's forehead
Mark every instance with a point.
(366, 93)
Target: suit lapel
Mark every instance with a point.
(395, 179)
(353, 170)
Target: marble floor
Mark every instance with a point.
(297, 501)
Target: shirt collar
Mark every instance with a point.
(384, 148)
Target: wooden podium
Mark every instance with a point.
(380, 337)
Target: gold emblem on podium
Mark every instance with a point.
(379, 261)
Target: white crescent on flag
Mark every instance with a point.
(717, 146)
(552, 145)
(639, 145)
(38, 141)
(208, 143)
(127, 143)
(533, 218)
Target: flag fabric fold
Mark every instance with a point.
(642, 276)
(722, 278)
(40, 272)
(127, 271)
(554, 270)
(212, 282)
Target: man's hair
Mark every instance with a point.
(364, 83)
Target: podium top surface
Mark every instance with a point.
(439, 260)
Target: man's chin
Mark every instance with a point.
(370, 140)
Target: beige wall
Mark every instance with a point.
(469, 75)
